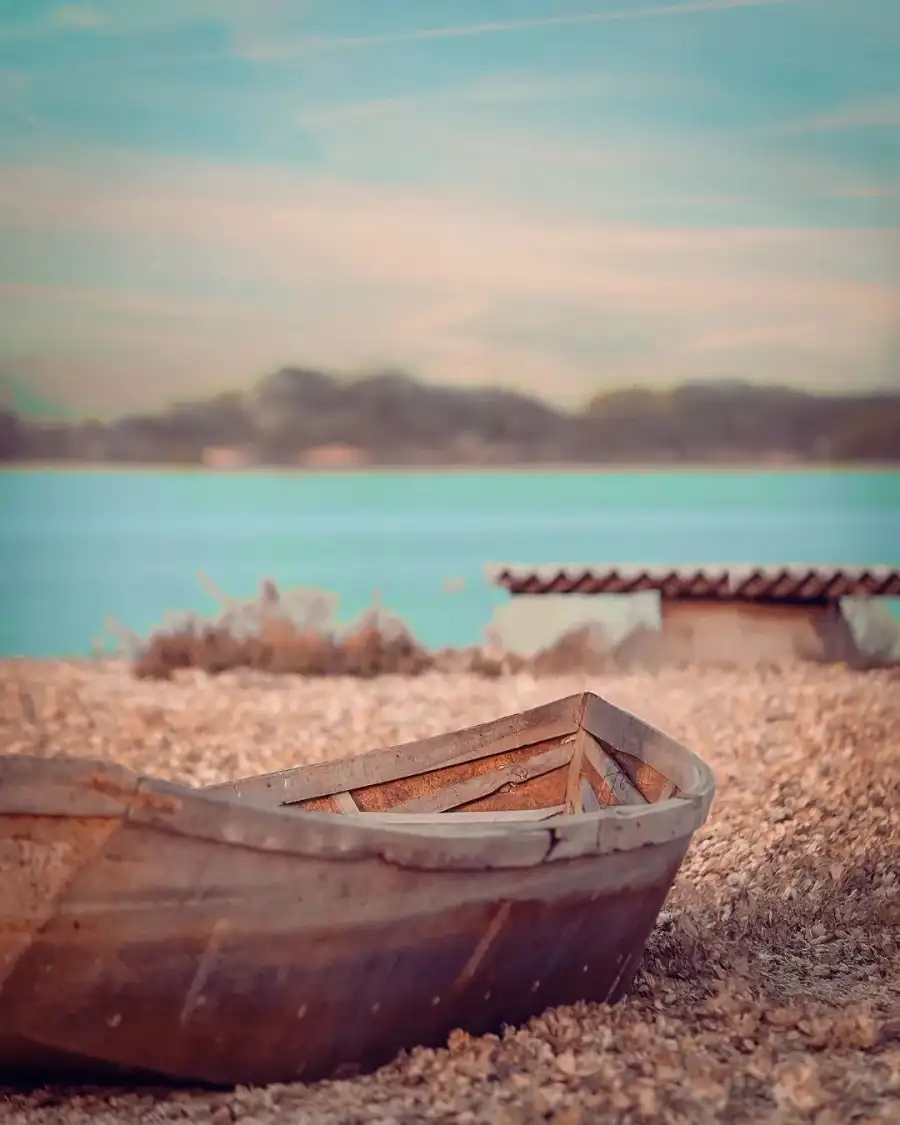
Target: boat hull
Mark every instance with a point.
(176, 959)
(247, 935)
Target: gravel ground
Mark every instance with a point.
(771, 987)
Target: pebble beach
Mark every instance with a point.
(770, 989)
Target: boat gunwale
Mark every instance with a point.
(560, 718)
(85, 788)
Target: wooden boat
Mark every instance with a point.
(315, 921)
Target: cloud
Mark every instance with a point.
(260, 31)
(115, 18)
(503, 89)
(76, 17)
(620, 164)
(306, 44)
(879, 114)
(333, 273)
(11, 81)
(89, 298)
(112, 18)
(513, 89)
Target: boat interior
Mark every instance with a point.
(536, 766)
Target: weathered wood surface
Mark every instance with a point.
(627, 734)
(150, 929)
(553, 720)
(346, 804)
(471, 789)
(616, 784)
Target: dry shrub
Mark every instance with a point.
(292, 634)
(640, 648)
(281, 646)
(269, 634)
(583, 649)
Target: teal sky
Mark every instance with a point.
(554, 196)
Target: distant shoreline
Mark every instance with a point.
(549, 469)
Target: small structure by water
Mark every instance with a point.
(336, 455)
(733, 614)
(227, 457)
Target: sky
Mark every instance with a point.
(559, 196)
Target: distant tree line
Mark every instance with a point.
(392, 419)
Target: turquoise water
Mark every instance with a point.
(76, 546)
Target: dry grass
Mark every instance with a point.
(278, 646)
(771, 987)
(294, 633)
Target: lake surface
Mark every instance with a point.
(76, 546)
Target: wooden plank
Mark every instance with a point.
(390, 794)
(626, 732)
(666, 791)
(622, 789)
(473, 788)
(573, 780)
(589, 802)
(535, 793)
(654, 785)
(75, 787)
(346, 804)
(284, 787)
(503, 820)
(330, 836)
(499, 817)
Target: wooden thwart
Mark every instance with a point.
(495, 816)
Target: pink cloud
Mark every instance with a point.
(346, 275)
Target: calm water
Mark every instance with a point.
(76, 546)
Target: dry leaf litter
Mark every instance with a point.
(770, 990)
